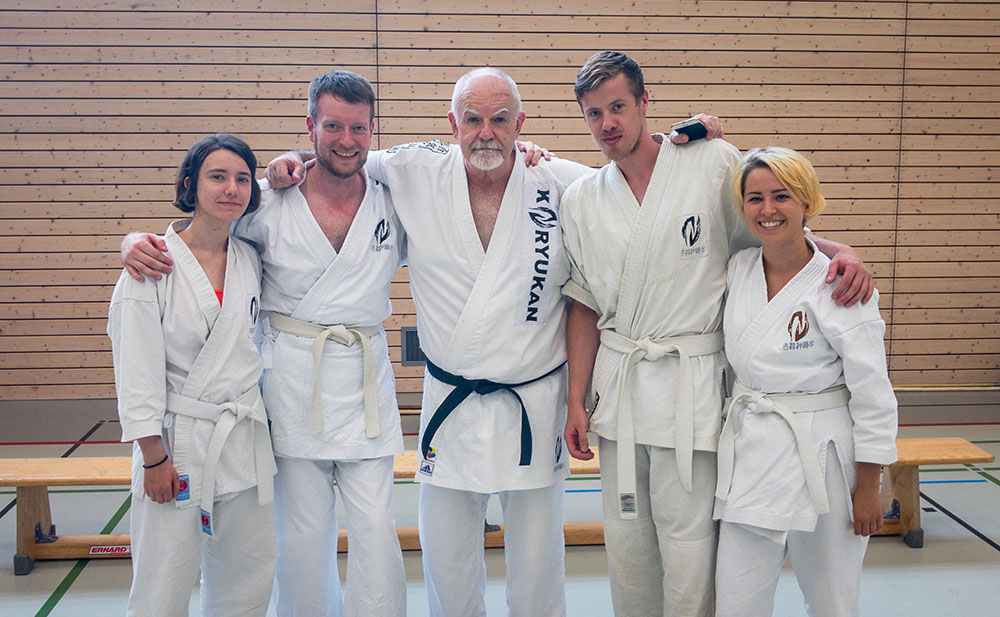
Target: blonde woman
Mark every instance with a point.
(813, 415)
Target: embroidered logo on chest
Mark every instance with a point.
(381, 237)
(798, 328)
(694, 238)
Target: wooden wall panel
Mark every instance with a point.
(895, 102)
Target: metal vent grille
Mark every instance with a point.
(412, 354)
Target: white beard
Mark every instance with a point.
(486, 159)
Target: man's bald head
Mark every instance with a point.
(469, 80)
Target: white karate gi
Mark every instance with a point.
(655, 275)
(306, 279)
(798, 342)
(186, 368)
(495, 315)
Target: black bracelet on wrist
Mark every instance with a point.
(165, 457)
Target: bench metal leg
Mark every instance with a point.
(914, 538)
(23, 565)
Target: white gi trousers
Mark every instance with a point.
(451, 538)
(237, 565)
(827, 561)
(663, 562)
(308, 581)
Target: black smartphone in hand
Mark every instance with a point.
(694, 129)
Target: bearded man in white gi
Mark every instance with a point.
(648, 238)
(329, 248)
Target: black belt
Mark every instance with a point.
(463, 388)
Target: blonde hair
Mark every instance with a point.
(792, 169)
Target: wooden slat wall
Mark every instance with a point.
(895, 102)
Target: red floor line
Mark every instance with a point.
(953, 424)
(55, 443)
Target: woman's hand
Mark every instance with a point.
(866, 501)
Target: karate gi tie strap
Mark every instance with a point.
(684, 347)
(786, 406)
(226, 416)
(345, 336)
(463, 389)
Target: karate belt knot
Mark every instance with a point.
(465, 388)
(225, 416)
(345, 336)
(786, 406)
(650, 349)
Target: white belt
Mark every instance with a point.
(786, 406)
(684, 347)
(345, 336)
(226, 416)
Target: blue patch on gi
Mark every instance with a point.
(427, 468)
(185, 490)
(206, 522)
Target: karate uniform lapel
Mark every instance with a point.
(486, 265)
(340, 263)
(767, 313)
(630, 290)
(643, 223)
(203, 368)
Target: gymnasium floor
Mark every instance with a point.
(956, 573)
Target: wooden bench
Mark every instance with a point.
(36, 535)
(36, 538)
(901, 480)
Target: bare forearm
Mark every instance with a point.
(582, 340)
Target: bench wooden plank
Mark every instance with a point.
(83, 471)
(939, 451)
(117, 470)
(33, 476)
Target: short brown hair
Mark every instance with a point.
(605, 65)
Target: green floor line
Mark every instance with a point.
(986, 441)
(989, 477)
(947, 470)
(74, 573)
(77, 490)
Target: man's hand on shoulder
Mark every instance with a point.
(287, 170)
(857, 281)
(713, 129)
(533, 153)
(144, 254)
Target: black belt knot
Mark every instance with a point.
(465, 387)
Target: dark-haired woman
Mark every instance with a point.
(186, 372)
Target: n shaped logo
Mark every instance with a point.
(543, 217)
(691, 230)
(381, 232)
(798, 326)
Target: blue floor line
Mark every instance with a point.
(952, 481)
